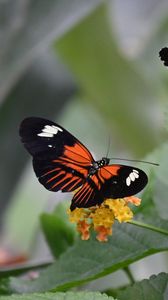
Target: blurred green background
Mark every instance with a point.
(93, 67)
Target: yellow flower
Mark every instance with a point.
(101, 218)
(76, 215)
(120, 209)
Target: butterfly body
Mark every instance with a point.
(96, 165)
(62, 162)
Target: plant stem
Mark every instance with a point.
(148, 226)
(129, 274)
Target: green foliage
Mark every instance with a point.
(60, 296)
(58, 234)
(152, 289)
(89, 260)
(161, 184)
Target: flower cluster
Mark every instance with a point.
(101, 218)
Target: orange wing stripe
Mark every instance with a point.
(82, 193)
(76, 183)
(70, 182)
(109, 171)
(96, 181)
(51, 171)
(71, 165)
(78, 153)
(54, 177)
(86, 192)
(88, 198)
(61, 180)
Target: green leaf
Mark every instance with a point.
(154, 199)
(109, 81)
(152, 222)
(155, 288)
(60, 296)
(88, 260)
(161, 184)
(58, 233)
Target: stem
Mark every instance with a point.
(148, 226)
(129, 274)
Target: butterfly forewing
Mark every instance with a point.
(124, 181)
(40, 135)
(60, 161)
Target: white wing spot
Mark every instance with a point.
(50, 146)
(45, 134)
(49, 131)
(136, 174)
(132, 176)
(128, 181)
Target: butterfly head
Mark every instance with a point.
(105, 161)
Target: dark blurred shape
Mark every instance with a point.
(163, 53)
(43, 91)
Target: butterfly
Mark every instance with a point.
(163, 53)
(62, 162)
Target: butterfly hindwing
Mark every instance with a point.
(88, 195)
(60, 161)
(91, 192)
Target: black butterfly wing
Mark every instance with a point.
(114, 181)
(60, 161)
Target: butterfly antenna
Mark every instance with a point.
(108, 147)
(134, 160)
